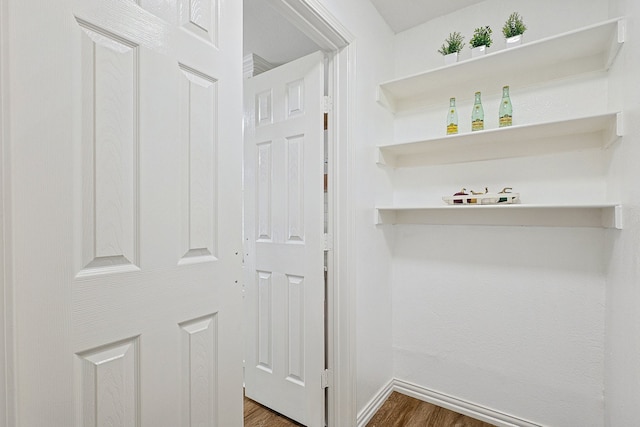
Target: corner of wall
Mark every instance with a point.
(622, 342)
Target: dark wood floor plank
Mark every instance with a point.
(397, 411)
(404, 411)
(256, 415)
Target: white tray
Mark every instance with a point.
(483, 199)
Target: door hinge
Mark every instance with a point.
(327, 104)
(328, 242)
(326, 379)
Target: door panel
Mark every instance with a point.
(110, 79)
(284, 225)
(198, 100)
(126, 175)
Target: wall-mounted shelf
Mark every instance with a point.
(515, 141)
(608, 215)
(588, 49)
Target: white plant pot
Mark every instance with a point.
(514, 41)
(478, 51)
(451, 58)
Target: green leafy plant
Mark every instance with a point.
(481, 37)
(452, 44)
(514, 26)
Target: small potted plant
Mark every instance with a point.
(513, 30)
(452, 45)
(480, 41)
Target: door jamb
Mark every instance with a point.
(7, 398)
(317, 23)
(341, 290)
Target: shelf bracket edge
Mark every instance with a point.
(612, 217)
(383, 98)
(615, 131)
(617, 42)
(619, 124)
(617, 221)
(384, 216)
(385, 158)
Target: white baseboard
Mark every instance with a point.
(440, 399)
(374, 404)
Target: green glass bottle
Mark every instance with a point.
(452, 118)
(506, 110)
(477, 115)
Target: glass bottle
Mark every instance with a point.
(452, 118)
(506, 110)
(477, 115)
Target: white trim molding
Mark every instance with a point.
(443, 400)
(342, 291)
(315, 21)
(375, 404)
(7, 388)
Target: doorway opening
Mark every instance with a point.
(306, 29)
(284, 223)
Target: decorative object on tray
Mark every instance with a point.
(504, 197)
(452, 45)
(458, 196)
(477, 114)
(513, 30)
(506, 110)
(480, 41)
(507, 195)
(476, 193)
(452, 118)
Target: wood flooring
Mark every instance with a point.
(397, 411)
(256, 415)
(404, 411)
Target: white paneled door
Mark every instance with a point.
(284, 214)
(125, 153)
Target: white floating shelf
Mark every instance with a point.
(588, 49)
(514, 141)
(586, 215)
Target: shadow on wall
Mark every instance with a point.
(572, 250)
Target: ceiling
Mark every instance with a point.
(270, 36)
(404, 14)
(273, 38)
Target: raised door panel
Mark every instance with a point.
(199, 372)
(264, 108)
(264, 187)
(198, 134)
(264, 346)
(294, 168)
(109, 389)
(200, 17)
(110, 96)
(295, 371)
(295, 98)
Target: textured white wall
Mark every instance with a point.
(370, 126)
(510, 318)
(622, 372)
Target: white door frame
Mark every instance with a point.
(317, 23)
(6, 329)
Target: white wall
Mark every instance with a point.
(509, 318)
(622, 372)
(370, 126)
